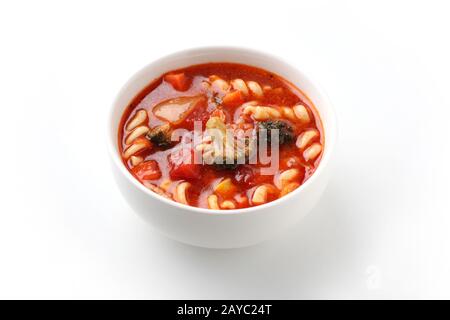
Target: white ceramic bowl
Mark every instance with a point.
(215, 228)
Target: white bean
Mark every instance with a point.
(139, 118)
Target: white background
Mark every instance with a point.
(382, 228)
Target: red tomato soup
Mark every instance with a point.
(221, 136)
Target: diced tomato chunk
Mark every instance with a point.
(233, 99)
(185, 171)
(148, 170)
(226, 188)
(241, 200)
(179, 81)
(182, 165)
(199, 113)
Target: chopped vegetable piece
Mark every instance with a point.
(176, 110)
(285, 131)
(148, 170)
(161, 136)
(225, 188)
(241, 200)
(233, 99)
(179, 81)
(182, 165)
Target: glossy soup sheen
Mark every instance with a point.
(238, 95)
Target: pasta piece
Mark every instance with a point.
(138, 145)
(213, 202)
(306, 138)
(286, 176)
(139, 118)
(250, 103)
(266, 113)
(312, 152)
(165, 185)
(206, 85)
(276, 92)
(228, 205)
(136, 133)
(292, 161)
(301, 113)
(180, 192)
(261, 194)
(260, 113)
(239, 84)
(219, 114)
(219, 85)
(135, 160)
(158, 190)
(255, 89)
(288, 113)
(289, 188)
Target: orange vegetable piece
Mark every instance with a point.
(179, 81)
(148, 170)
(225, 188)
(233, 99)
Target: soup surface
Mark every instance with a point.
(221, 136)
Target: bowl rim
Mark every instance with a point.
(328, 149)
